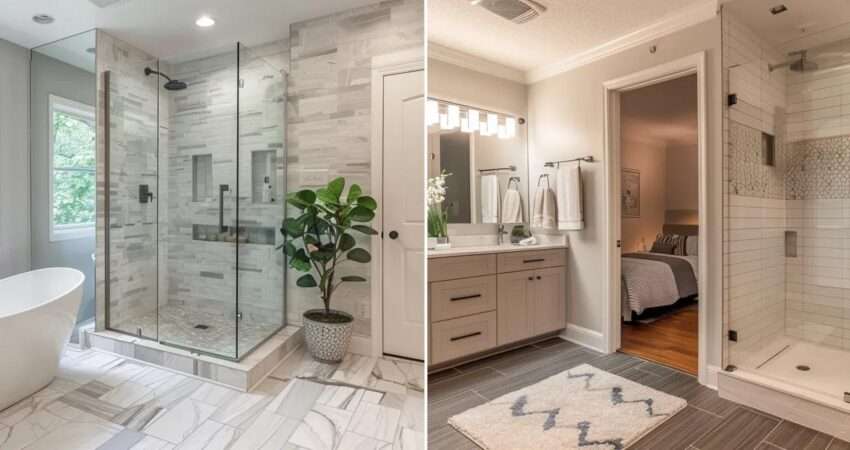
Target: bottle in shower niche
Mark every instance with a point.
(268, 196)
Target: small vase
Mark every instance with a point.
(443, 243)
(328, 341)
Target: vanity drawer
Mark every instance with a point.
(464, 297)
(535, 259)
(455, 338)
(454, 267)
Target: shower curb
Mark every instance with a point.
(243, 375)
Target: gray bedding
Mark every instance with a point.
(654, 279)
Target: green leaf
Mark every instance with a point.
(306, 196)
(306, 281)
(335, 187)
(288, 248)
(327, 196)
(293, 227)
(365, 229)
(352, 278)
(361, 214)
(346, 242)
(354, 192)
(367, 202)
(300, 261)
(359, 255)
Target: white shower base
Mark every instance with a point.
(772, 382)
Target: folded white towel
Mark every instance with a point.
(570, 211)
(489, 199)
(545, 213)
(512, 207)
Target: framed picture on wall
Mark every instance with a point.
(630, 188)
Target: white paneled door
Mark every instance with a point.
(403, 215)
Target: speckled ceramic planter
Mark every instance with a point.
(328, 341)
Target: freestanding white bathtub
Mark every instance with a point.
(38, 311)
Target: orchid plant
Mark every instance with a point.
(438, 217)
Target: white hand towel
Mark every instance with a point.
(570, 211)
(489, 199)
(512, 207)
(545, 214)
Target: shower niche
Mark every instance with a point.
(204, 135)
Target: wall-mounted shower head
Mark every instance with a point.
(799, 64)
(171, 85)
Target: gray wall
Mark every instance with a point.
(14, 160)
(51, 76)
(566, 120)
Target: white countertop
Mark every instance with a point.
(463, 250)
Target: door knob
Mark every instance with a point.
(393, 234)
(538, 277)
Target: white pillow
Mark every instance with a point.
(692, 246)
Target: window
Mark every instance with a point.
(72, 168)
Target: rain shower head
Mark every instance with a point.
(171, 85)
(799, 64)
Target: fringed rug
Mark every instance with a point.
(581, 408)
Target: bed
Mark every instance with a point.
(653, 279)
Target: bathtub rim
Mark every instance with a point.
(79, 283)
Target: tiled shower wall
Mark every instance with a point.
(754, 194)
(133, 151)
(328, 117)
(201, 123)
(818, 192)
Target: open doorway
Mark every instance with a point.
(660, 222)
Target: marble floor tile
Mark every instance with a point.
(106, 402)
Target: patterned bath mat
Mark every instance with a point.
(580, 408)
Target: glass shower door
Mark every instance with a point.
(131, 197)
(198, 233)
(262, 184)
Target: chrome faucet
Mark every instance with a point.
(501, 232)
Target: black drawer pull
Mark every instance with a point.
(465, 336)
(526, 261)
(465, 297)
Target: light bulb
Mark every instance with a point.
(492, 122)
(464, 125)
(454, 116)
(510, 126)
(472, 115)
(444, 122)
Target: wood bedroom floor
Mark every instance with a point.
(672, 340)
(707, 423)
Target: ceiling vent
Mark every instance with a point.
(517, 11)
(105, 3)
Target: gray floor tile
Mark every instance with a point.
(447, 438)
(439, 412)
(680, 431)
(743, 430)
(463, 382)
(791, 436)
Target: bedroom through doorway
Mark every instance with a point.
(659, 225)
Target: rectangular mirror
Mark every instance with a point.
(488, 170)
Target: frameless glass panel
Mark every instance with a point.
(197, 225)
(132, 195)
(262, 184)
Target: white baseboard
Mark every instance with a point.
(711, 374)
(362, 345)
(584, 337)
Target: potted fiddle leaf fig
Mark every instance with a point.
(320, 241)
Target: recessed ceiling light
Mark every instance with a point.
(778, 9)
(42, 19)
(205, 21)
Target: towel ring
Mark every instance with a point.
(545, 175)
(513, 179)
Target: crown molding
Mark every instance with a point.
(472, 62)
(688, 17)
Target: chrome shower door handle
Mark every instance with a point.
(222, 188)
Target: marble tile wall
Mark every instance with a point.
(202, 121)
(132, 146)
(328, 115)
(818, 104)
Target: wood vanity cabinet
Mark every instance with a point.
(481, 302)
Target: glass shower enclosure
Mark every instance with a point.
(195, 161)
(787, 203)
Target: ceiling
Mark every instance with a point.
(164, 28)
(566, 29)
(664, 112)
(803, 19)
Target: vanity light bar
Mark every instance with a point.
(451, 116)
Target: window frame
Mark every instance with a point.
(83, 112)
